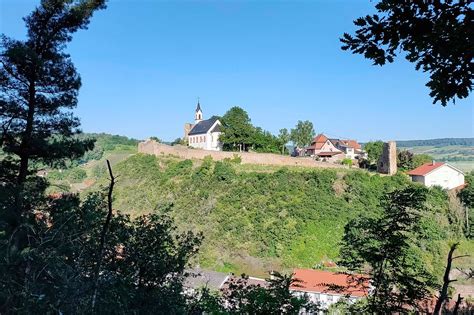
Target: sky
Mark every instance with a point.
(145, 63)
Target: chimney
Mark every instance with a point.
(433, 162)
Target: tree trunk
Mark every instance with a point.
(103, 235)
(458, 303)
(26, 138)
(443, 294)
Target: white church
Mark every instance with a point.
(203, 134)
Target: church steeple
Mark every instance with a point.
(198, 114)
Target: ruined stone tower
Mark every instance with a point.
(387, 163)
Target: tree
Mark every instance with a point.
(237, 130)
(435, 35)
(420, 159)
(264, 141)
(39, 83)
(38, 86)
(284, 137)
(405, 160)
(466, 195)
(302, 134)
(387, 245)
(374, 151)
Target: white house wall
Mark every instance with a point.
(324, 299)
(207, 141)
(327, 147)
(444, 176)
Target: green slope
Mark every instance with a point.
(255, 220)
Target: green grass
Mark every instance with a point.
(256, 218)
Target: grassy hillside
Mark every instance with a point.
(82, 173)
(255, 219)
(457, 151)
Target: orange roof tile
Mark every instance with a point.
(352, 143)
(425, 168)
(330, 282)
(319, 141)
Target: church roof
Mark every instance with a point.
(203, 126)
(198, 108)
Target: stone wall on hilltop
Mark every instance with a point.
(159, 149)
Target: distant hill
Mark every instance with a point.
(442, 142)
(457, 151)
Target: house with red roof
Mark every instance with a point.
(332, 150)
(439, 174)
(327, 287)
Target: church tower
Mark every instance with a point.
(198, 114)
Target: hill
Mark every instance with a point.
(457, 151)
(81, 173)
(256, 218)
(441, 142)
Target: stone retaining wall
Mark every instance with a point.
(153, 147)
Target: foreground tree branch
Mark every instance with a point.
(103, 236)
(443, 294)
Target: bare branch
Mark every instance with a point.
(103, 235)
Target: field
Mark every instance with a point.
(458, 155)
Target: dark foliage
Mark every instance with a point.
(386, 243)
(437, 36)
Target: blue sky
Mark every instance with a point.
(145, 63)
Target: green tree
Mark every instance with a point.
(466, 195)
(284, 137)
(374, 151)
(264, 141)
(435, 35)
(387, 245)
(420, 159)
(39, 84)
(405, 160)
(237, 130)
(302, 134)
(38, 87)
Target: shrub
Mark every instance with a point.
(223, 171)
(347, 162)
(76, 175)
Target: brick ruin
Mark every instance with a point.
(387, 163)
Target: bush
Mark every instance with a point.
(224, 171)
(347, 162)
(76, 175)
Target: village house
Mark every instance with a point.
(333, 150)
(198, 278)
(326, 287)
(204, 133)
(439, 174)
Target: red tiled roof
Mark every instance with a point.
(330, 282)
(425, 168)
(352, 143)
(319, 141)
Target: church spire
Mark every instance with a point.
(198, 114)
(198, 108)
